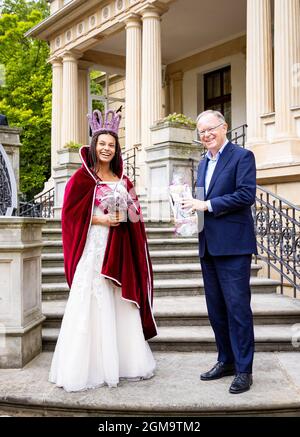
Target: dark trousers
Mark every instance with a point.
(227, 292)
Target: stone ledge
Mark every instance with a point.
(175, 390)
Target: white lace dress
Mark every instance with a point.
(101, 338)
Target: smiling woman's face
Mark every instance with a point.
(105, 148)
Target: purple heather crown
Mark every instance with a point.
(110, 122)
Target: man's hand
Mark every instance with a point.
(194, 205)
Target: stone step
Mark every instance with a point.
(160, 232)
(192, 287)
(168, 244)
(155, 244)
(268, 338)
(55, 233)
(52, 260)
(56, 223)
(191, 310)
(158, 224)
(161, 271)
(270, 309)
(174, 256)
(166, 287)
(52, 246)
(175, 391)
(55, 257)
(184, 271)
(51, 234)
(52, 224)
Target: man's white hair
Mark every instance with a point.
(212, 112)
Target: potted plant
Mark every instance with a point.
(175, 127)
(69, 154)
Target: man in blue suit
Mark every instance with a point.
(227, 176)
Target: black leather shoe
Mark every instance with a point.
(218, 371)
(242, 382)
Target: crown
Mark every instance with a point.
(111, 121)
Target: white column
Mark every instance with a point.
(259, 68)
(57, 90)
(151, 80)
(133, 81)
(151, 72)
(55, 5)
(83, 83)
(70, 119)
(286, 57)
(176, 98)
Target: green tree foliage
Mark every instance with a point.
(25, 94)
(96, 89)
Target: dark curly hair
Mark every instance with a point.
(115, 164)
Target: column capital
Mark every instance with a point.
(55, 61)
(84, 65)
(132, 20)
(153, 11)
(71, 55)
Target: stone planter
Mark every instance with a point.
(172, 132)
(68, 156)
(171, 153)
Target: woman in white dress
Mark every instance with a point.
(108, 316)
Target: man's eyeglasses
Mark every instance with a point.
(209, 130)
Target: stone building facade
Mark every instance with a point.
(239, 56)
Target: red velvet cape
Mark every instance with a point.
(126, 261)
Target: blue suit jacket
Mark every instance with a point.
(229, 229)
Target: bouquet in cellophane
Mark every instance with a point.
(113, 201)
(186, 221)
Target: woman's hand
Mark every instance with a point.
(106, 220)
(194, 205)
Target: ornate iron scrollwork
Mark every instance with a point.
(274, 232)
(8, 187)
(261, 223)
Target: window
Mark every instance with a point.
(217, 92)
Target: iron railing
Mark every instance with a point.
(40, 206)
(129, 162)
(238, 135)
(277, 223)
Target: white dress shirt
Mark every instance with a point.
(212, 162)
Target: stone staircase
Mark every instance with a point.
(184, 347)
(179, 302)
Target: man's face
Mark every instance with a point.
(212, 132)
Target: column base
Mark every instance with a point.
(19, 347)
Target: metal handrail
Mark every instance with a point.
(234, 135)
(129, 163)
(277, 224)
(40, 206)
